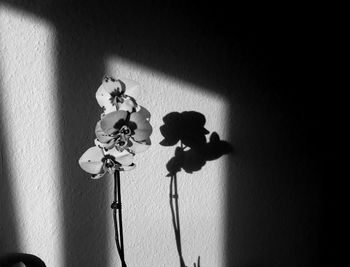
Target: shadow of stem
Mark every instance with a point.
(174, 206)
(192, 154)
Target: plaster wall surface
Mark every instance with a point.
(262, 205)
(30, 132)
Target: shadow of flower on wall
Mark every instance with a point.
(187, 130)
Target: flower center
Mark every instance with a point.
(110, 164)
(117, 95)
(125, 130)
(121, 138)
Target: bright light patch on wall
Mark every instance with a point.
(29, 104)
(148, 227)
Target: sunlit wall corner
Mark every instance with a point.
(29, 109)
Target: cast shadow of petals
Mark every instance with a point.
(194, 150)
(187, 127)
(192, 160)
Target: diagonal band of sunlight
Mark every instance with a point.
(30, 119)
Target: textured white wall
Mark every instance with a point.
(260, 206)
(30, 127)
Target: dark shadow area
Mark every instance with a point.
(9, 241)
(80, 69)
(265, 65)
(29, 260)
(187, 129)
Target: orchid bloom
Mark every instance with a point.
(98, 162)
(124, 131)
(118, 94)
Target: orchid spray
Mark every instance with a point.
(123, 131)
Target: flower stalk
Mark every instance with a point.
(123, 131)
(118, 221)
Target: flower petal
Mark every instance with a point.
(98, 176)
(142, 110)
(132, 87)
(128, 168)
(101, 135)
(128, 105)
(124, 157)
(111, 84)
(105, 146)
(140, 125)
(113, 121)
(103, 99)
(91, 160)
(138, 147)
